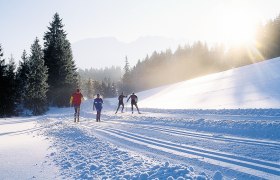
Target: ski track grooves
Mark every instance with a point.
(263, 169)
(208, 136)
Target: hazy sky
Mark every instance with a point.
(206, 20)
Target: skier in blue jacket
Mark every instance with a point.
(97, 104)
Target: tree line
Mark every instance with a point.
(104, 81)
(105, 87)
(109, 82)
(46, 77)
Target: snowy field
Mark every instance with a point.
(199, 134)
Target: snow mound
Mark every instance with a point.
(252, 86)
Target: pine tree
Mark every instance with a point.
(7, 88)
(126, 79)
(3, 80)
(113, 90)
(63, 78)
(22, 78)
(2, 62)
(89, 88)
(106, 87)
(37, 81)
(97, 86)
(126, 66)
(2, 66)
(11, 87)
(103, 88)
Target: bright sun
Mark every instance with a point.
(237, 29)
(236, 26)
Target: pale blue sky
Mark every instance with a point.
(23, 20)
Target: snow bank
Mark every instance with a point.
(252, 86)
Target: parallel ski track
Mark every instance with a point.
(255, 167)
(200, 135)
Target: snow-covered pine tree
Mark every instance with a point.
(63, 77)
(36, 99)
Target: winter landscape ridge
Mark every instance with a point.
(220, 126)
(252, 86)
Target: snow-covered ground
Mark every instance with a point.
(165, 142)
(23, 152)
(155, 144)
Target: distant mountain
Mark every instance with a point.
(108, 51)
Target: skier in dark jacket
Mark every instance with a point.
(97, 104)
(134, 100)
(75, 101)
(120, 102)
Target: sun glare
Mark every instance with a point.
(237, 29)
(236, 26)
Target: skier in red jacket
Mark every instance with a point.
(75, 101)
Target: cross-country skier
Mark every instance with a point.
(97, 104)
(75, 101)
(120, 102)
(134, 100)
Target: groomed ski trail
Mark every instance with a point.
(254, 167)
(130, 133)
(199, 135)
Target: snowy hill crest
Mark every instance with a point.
(252, 86)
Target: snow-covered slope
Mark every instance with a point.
(252, 86)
